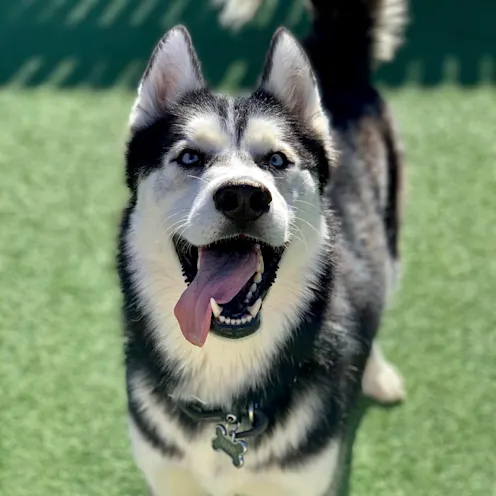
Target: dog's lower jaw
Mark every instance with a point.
(248, 264)
(222, 367)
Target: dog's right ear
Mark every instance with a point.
(173, 70)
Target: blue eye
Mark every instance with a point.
(278, 160)
(189, 158)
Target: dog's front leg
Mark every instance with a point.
(165, 474)
(173, 481)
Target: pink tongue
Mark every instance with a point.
(220, 276)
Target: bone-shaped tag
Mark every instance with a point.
(228, 444)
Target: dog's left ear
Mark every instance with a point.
(173, 70)
(289, 77)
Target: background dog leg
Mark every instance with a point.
(381, 381)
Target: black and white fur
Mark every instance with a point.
(305, 364)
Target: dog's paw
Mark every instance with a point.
(383, 383)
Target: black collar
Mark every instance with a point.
(252, 416)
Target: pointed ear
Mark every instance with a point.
(172, 71)
(288, 76)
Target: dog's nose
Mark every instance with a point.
(242, 202)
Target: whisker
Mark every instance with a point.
(180, 229)
(300, 231)
(174, 214)
(308, 223)
(307, 203)
(302, 239)
(172, 228)
(196, 177)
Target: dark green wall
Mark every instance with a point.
(102, 43)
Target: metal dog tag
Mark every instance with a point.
(231, 446)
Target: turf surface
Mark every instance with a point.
(62, 405)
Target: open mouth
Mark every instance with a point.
(227, 283)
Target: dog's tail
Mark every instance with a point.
(236, 13)
(349, 37)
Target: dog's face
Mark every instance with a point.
(227, 190)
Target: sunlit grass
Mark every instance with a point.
(62, 404)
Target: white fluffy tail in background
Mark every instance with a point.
(388, 23)
(235, 14)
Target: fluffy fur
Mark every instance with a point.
(337, 219)
(387, 19)
(236, 13)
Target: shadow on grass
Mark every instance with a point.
(361, 409)
(102, 43)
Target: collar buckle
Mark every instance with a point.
(228, 438)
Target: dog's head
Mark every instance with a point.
(225, 189)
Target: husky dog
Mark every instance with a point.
(255, 257)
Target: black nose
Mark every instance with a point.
(242, 202)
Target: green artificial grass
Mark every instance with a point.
(62, 402)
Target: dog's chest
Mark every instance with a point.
(213, 472)
(201, 471)
(216, 470)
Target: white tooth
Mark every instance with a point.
(246, 301)
(222, 318)
(257, 246)
(228, 320)
(253, 287)
(249, 318)
(255, 308)
(243, 320)
(238, 321)
(249, 295)
(260, 266)
(258, 278)
(198, 263)
(216, 309)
